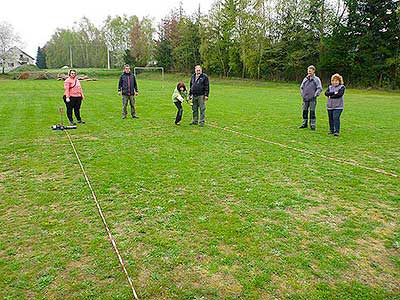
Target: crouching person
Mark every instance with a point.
(178, 97)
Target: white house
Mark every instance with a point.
(14, 58)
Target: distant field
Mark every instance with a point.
(198, 213)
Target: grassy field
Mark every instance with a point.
(198, 213)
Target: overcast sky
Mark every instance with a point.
(36, 21)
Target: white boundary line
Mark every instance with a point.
(355, 164)
(112, 240)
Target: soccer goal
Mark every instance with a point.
(155, 73)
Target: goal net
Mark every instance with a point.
(151, 73)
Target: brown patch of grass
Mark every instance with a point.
(75, 272)
(372, 264)
(282, 286)
(85, 137)
(142, 279)
(199, 278)
(226, 250)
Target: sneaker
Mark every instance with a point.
(202, 124)
(303, 126)
(177, 124)
(336, 134)
(135, 117)
(123, 117)
(312, 127)
(330, 132)
(193, 123)
(81, 121)
(72, 123)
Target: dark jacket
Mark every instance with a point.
(199, 87)
(127, 84)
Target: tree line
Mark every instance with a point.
(260, 39)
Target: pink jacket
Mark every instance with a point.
(73, 88)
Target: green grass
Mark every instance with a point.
(198, 213)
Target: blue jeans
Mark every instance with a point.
(334, 119)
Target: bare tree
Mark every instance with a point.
(8, 39)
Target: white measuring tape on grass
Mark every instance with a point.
(112, 240)
(355, 164)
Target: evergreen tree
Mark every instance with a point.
(41, 58)
(366, 47)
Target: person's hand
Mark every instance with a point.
(119, 93)
(136, 94)
(67, 99)
(205, 98)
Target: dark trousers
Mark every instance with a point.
(334, 119)
(73, 105)
(199, 104)
(309, 105)
(179, 114)
(131, 100)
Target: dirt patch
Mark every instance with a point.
(85, 137)
(371, 264)
(282, 286)
(199, 278)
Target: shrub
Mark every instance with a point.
(24, 75)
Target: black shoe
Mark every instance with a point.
(72, 123)
(303, 126)
(336, 134)
(193, 123)
(81, 121)
(135, 117)
(312, 127)
(330, 132)
(123, 117)
(202, 124)
(177, 124)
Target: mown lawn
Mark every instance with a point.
(198, 213)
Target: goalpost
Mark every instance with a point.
(139, 70)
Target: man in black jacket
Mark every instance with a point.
(128, 87)
(199, 89)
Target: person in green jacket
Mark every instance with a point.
(178, 97)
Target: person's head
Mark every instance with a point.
(198, 70)
(336, 79)
(181, 87)
(127, 68)
(311, 70)
(72, 73)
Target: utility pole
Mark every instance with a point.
(70, 55)
(108, 58)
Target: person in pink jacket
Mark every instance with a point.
(73, 97)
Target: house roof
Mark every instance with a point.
(22, 52)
